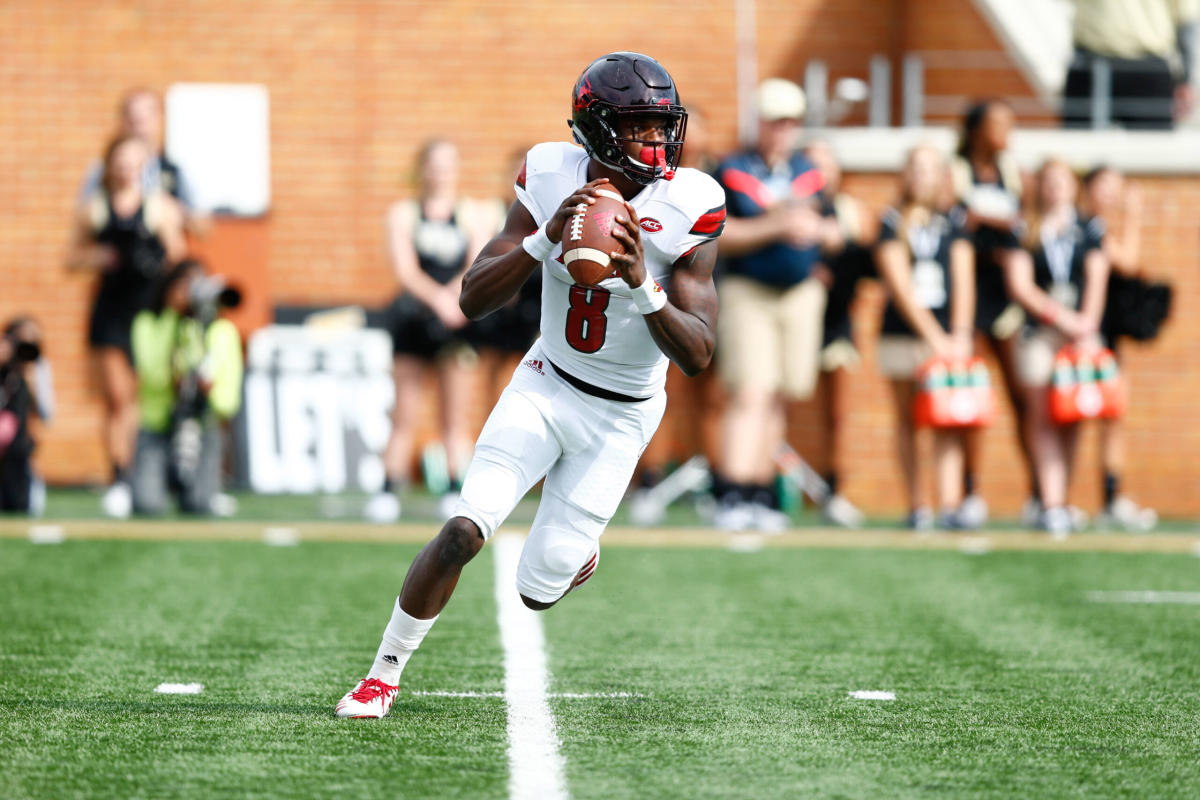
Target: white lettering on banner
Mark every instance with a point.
(317, 409)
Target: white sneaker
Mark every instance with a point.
(735, 517)
(1079, 518)
(371, 699)
(920, 519)
(1124, 514)
(841, 512)
(973, 512)
(1031, 514)
(383, 507)
(769, 520)
(1057, 522)
(223, 505)
(117, 501)
(446, 505)
(644, 510)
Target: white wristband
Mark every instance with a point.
(538, 244)
(649, 297)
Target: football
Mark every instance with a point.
(587, 238)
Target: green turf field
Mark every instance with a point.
(1008, 681)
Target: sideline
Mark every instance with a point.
(616, 536)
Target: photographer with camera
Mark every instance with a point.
(127, 235)
(189, 371)
(25, 390)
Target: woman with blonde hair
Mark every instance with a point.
(432, 239)
(127, 235)
(926, 262)
(1060, 276)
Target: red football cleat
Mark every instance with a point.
(371, 699)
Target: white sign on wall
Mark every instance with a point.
(220, 136)
(317, 409)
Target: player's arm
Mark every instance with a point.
(685, 327)
(504, 263)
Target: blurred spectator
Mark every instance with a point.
(140, 115)
(125, 234)
(1060, 276)
(503, 336)
(987, 184)
(38, 378)
(1148, 44)
(848, 259)
(769, 335)
(432, 239)
(26, 391)
(1107, 198)
(924, 258)
(189, 370)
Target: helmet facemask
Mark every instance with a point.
(658, 158)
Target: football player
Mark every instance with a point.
(588, 395)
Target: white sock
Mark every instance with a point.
(401, 638)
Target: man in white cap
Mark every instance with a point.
(772, 303)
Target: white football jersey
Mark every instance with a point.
(596, 333)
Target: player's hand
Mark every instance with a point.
(585, 194)
(630, 265)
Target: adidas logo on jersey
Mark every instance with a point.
(535, 365)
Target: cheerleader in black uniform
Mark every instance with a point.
(925, 260)
(431, 241)
(1106, 196)
(988, 186)
(128, 236)
(1060, 276)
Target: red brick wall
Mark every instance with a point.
(356, 86)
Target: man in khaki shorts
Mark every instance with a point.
(772, 303)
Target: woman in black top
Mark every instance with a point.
(1059, 275)
(925, 260)
(432, 239)
(1107, 196)
(988, 187)
(127, 236)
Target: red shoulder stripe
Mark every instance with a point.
(521, 177)
(747, 184)
(710, 222)
(808, 183)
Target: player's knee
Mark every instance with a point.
(460, 540)
(565, 558)
(536, 605)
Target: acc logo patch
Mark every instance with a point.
(650, 225)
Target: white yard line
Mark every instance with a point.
(536, 770)
(1146, 597)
